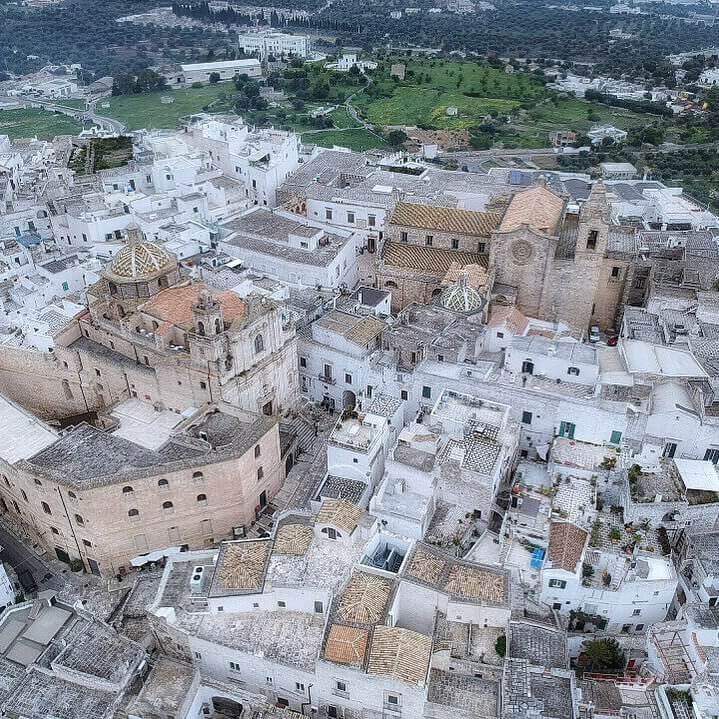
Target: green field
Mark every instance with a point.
(72, 103)
(36, 123)
(148, 111)
(431, 87)
(356, 139)
(531, 128)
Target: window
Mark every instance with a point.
(638, 627)
(403, 394)
(54, 530)
(319, 607)
(203, 385)
(566, 429)
(133, 513)
(202, 499)
(592, 239)
(234, 667)
(369, 391)
(299, 686)
(198, 655)
(72, 495)
(482, 247)
(391, 700)
(331, 533)
(282, 702)
(427, 392)
(167, 506)
(348, 378)
(87, 542)
(24, 496)
(259, 344)
(38, 482)
(526, 418)
(332, 711)
(127, 490)
(615, 272)
(260, 473)
(328, 213)
(281, 604)
(440, 358)
(46, 508)
(79, 520)
(616, 437)
(371, 220)
(557, 605)
(351, 218)
(500, 335)
(669, 449)
(303, 361)
(268, 680)
(557, 583)
(258, 451)
(636, 612)
(429, 240)
(403, 237)
(340, 686)
(97, 372)
(196, 476)
(455, 243)
(712, 455)
(164, 483)
(573, 371)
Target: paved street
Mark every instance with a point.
(21, 557)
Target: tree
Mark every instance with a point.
(396, 138)
(214, 78)
(603, 656)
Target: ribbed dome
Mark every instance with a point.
(141, 259)
(461, 298)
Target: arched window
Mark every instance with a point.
(202, 499)
(201, 329)
(167, 505)
(155, 326)
(218, 326)
(72, 495)
(259, 344)
(163, 483)
(24, 496)
(198, 475)
(331, 533)
(390, 284)
(127, 490)
(80, 520)
(133, 513)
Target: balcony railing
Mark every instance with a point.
(327, 380)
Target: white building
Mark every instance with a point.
(606, 132)
(226, 69)
(288, 247)
(629, 593)
(348, 61)
(274, 43)
(7, 591)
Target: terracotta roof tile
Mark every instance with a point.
(539, 208)
(346, 645)
(429, 260)
(174, 305)
(445, 219)
(364, 599)
(400, 653)
(293, 539)
(566, 545)
(340, 513)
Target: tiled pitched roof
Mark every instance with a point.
(346, 645)
(339, 513)
(174, 305)
(539, 208)
(400, 653)
(566, 545)
(429, 260)
(241, 567)
(445, 219)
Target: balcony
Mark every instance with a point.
(326, 380)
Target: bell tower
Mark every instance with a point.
(208, 337)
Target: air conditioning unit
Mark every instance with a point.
(196, 579)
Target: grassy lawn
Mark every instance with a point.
(432, 86)
(72, 103)
(147, 111)
(342, 119)
(356, 139)
(36, 123)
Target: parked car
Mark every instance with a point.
(594, 334)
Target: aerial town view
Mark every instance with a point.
(359, 361)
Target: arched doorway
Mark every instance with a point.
(349, 399)
(224, 707)
(527, 367)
